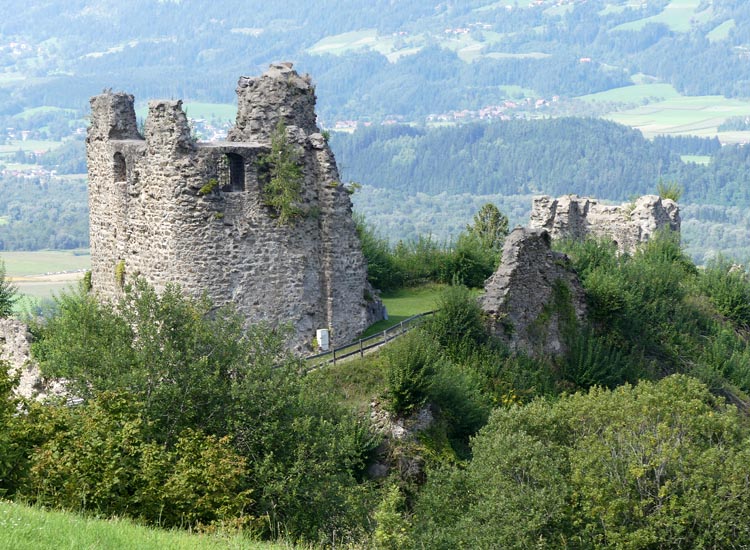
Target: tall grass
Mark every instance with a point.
(29, 528)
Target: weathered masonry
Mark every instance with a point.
(171, 209)
(627, 225)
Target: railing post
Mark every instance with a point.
(402, 327)
(361, 351)
(334, 356)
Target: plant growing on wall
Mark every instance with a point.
(283, 189)
(120, 274)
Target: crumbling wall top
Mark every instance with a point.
(628, 225)
(167, 126)
(113, 117)
(278, 93)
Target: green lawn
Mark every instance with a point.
(404, 303)
(354, 382)
(28, 528)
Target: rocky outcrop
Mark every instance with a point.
(532, 294)
(627, 225)
(174, 210)
(15, 348)
(399, 451)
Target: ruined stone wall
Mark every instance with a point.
(192, 213)
(627, 225)
(15, 348)
(530, 291)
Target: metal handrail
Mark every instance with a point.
(363, 344)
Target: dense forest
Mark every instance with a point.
(553, 156)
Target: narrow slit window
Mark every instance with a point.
(120, 168)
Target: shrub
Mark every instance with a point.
(669, 190)
(8, 293)
(728, 288)
(283, 190)
(457, 323)
(457, 392)
(104, 460)
(390, 525)
(411, 361)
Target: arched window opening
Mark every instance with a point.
(120, 168)
(235, 165)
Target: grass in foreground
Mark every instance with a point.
(355, 383)
(28, 528)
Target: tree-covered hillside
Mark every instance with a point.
(370, 58)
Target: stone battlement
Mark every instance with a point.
(173, 210)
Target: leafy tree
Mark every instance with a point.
(8, 293)
(490, 227)
(188, 370)
(382, 271)
(655, 465)
(101, 458)
(728, 287)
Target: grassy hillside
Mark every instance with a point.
(28, 528)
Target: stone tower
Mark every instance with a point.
(171, 209)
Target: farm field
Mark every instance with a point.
(42, 274)
(697, 159)
(220, 111)
(697, 115)
(29, 145)
(636, 93)
(721, 31)
(679, 16)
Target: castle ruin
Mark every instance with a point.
(173, 210)
(627, 225)
(520, 297)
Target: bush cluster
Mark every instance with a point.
(469, 260)
(188, 419)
